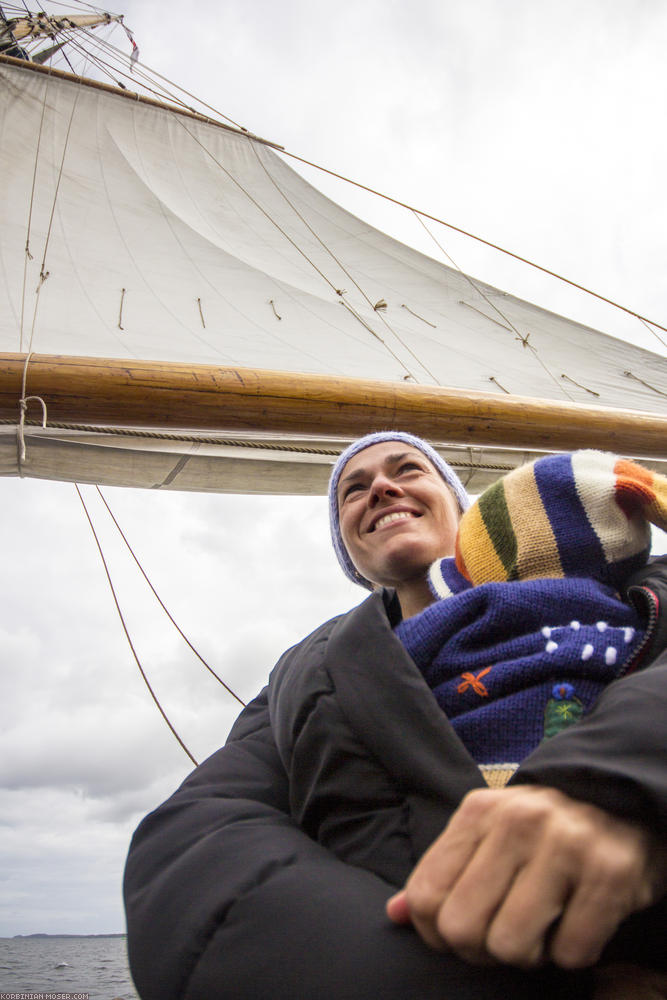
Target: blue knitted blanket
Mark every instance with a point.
(511, 663)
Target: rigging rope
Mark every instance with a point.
(524, 339)
(479, 239)
(127, 634)
(43, 275)
(347, 273)
(149, 73)
(28, 255)
(162, 604)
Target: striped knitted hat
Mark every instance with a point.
(585, 514)
(379, 437)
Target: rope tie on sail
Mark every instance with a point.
(127, 634)
(201, 314)
(120, 310)
(647, 384)
(480, 312)
(584, 387)
(417, 316)
(275, 311)
(492, 378)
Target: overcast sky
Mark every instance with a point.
(539, 126)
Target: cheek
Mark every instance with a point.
(449, 525)
(347, 532)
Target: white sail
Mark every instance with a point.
(130, 230)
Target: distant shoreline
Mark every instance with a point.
(32, 936)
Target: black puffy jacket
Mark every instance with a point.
(265, 875)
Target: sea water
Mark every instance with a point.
(94, 965)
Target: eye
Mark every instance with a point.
(350, 489)
(409, 467)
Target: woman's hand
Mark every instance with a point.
(525, 874)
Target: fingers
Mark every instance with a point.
(526, 874)
(432, 880)
(614, 883)
(468, 911)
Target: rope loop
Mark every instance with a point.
(23, 408)
(23, 403)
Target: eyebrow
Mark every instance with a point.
(389, 460)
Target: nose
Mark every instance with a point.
(383, 486)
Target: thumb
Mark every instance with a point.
(397, 908)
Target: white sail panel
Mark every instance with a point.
(167, 238)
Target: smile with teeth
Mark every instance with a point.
(399, 515)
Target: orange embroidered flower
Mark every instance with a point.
(469, 680)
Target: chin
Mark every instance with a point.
(402, 573)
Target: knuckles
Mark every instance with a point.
(506, 947)
(604, 868)
(466, 938)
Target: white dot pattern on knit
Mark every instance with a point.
(610, 653)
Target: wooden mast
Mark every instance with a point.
(150, 394)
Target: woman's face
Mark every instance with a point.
(397, 514)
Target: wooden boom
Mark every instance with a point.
(150, 394)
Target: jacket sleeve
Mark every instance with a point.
(227, 898)
(615, 758)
